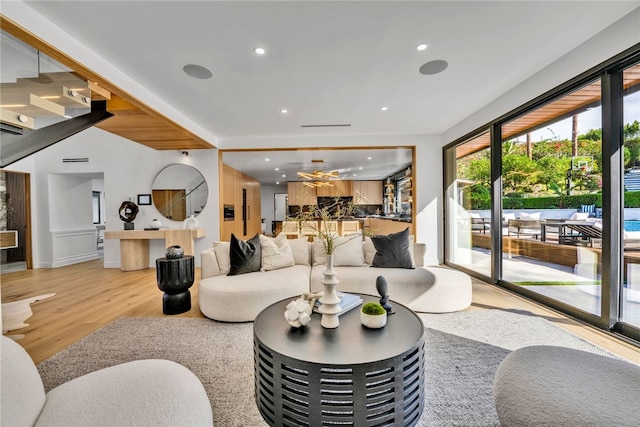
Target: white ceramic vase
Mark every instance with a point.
(330, 301)
(190, 223)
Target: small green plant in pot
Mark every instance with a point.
(373, 315)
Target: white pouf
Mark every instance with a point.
(559, 386)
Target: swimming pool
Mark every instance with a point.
(632, 225)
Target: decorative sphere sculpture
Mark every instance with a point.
(298, 313)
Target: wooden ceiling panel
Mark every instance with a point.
(134, 124)
(143, 125)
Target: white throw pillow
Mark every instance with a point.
(532, 215)
(319, 257)
(579, 216)
(347, 251)
(369, 250)
(300, 249)
(222, 255)
(276, 253)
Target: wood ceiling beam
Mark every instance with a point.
(162, 122)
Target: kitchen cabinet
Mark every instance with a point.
(300, 195)
(405, 195)
(342, 188)
(240, 195)
(389, 197)
(367, 192)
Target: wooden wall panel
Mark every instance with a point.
(233, 181)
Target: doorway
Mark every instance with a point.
(15, 221)
(279, 212)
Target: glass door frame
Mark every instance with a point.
(610, 75)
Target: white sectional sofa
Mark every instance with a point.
(240, 298)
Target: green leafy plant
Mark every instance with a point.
(373, 309)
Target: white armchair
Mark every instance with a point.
(141, 393)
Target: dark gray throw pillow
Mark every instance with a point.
(246, 257)
(392, 250)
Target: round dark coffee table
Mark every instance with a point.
(350, 374)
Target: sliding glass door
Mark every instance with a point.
(630, 290)
(468, 205)
(552, 198)
(545, 200)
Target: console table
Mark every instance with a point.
(349, 375)
(134, 244)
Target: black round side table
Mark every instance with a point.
(175, 277)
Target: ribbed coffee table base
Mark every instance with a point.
(292, 392)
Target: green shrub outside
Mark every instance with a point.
(517, 201)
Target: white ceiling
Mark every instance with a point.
(330, 62)
(353, 164)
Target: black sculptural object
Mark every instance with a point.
(383, 290)
(128, 211)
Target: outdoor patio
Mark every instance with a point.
(567, 270)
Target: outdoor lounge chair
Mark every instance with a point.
(527, 227)
(479, 224)
(591, 232)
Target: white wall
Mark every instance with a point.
(611, 41)
(129, 169)
(71, 206)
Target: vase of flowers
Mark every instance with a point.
(330, 301)
(320, 220)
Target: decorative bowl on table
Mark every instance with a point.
(174, 252)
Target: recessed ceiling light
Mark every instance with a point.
(259, 50)
(421, 46)
(284, 176)
(197, 71)
(433, 67)
(267, 159)
(277, 182)
(277, 169)
(355, 174)
(369, 158)
(360, 168)
(284, 111)
(384, 108)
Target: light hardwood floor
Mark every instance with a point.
(89, 297)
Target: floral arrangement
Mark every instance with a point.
(320, 218)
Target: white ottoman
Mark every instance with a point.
(558, 386)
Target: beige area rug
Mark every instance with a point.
(463, 352)
(14, 314)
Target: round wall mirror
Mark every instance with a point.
(179, 191)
